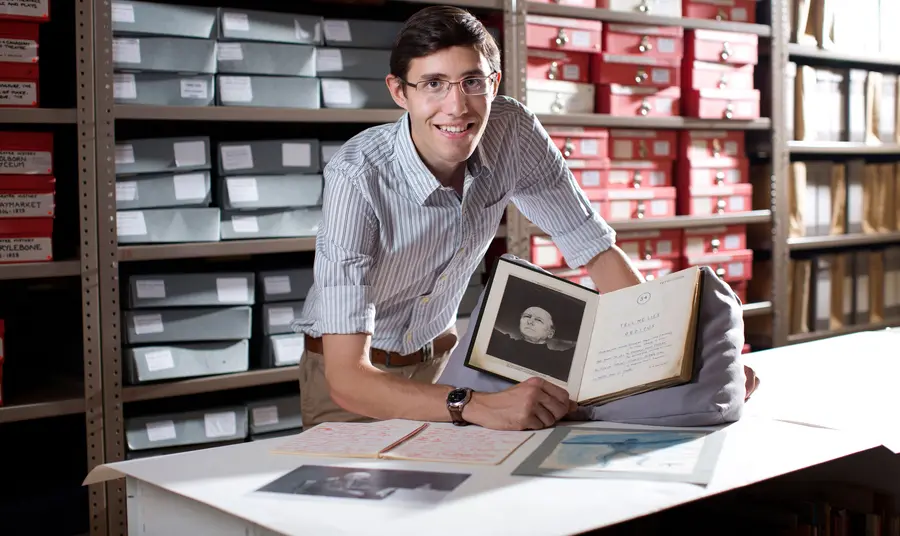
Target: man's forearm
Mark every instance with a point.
(613, 270)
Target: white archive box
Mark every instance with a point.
(187, 324)
(164, 190)
(160, 19)
(356, 94)
(268, 91)
(280, 59)
(665, 8)
(269, 157)
(164, 54)
(360, 33)
(186, 360)
(160, 155)
(269, 26)
(270, 192)
(283, 350)
(274, 414)
(164, 89)
(560, 97)
(191, 289)
(278, 223)
(186, 428)
(168, 225)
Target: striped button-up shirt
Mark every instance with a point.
(395, 250)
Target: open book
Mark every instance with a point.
(399, 439)
(599, 347)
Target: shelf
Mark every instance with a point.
(842, 148)
(683, 222)
(840, 241)
(65, 398)
(210, 384)
(607, 15)
(819, 335)
(680, 123)
(38, 270)
(757, 309)
(37, 115)
(483, 4)
(249, 113)
(872, 61)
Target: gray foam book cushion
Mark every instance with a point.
(715, 395)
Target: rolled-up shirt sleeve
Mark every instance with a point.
(345, 249)
(548, 195)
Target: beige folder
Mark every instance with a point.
(797, 216)
(878, 198)
(798, 290)
(876, 286)
(861, 288)
(874, 88)
(892, 283)
(804, 21)
(838, 198)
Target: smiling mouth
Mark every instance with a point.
(455, 129)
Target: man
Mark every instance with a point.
(533, 346)
(409, 210)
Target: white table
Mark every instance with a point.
(213, 491)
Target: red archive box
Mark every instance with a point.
(30, 11)
(648, 245)
(736, 104)
(708, 173)
(27, 196)
(729, 266)
(726, 147)
(654, 269)
(576, 3)
(638, 101)
(642, 144)
(19, 85)
(705, 75)
(580, 142)
(545, 254)
(19, 42)
(711, 240)
(26, 153)
(638, 71)
(723, 10)
(716, 46)
(556, 33)
(708, 201)
(659, 42)
(26, 240)
(2, 335)
(559, 65)
(640, 174)
(624, 204)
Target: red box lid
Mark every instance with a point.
(27, 183)
(26, 227)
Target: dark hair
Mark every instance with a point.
(438, 27)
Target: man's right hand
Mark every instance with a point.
(531, 405)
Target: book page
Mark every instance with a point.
(639, 335)
(468, 444)
(349, 439)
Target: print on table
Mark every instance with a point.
(366, 484)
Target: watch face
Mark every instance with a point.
(456, 396)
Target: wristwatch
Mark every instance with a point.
(456, 402)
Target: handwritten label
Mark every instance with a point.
(25, 249)
(26, 205)
(337, 30)
(18, 93)
(150, 289)
(289, 349)
(126, 190)
(236, 157)
(25, 162)
(125, 154)
(280, 316)
(159, 360)
(194, 88)
(18, 50)
(329, 60)
(124, 86)
(161, 431)
(147, 324)
(229, 52)
(122, 12)
(236, 88)
(131, 223)
(265, 415)
(126, 50)
(24, 8)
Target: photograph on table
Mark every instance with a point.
(366, 484)
(647, 453)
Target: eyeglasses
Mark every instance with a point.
(472, 85)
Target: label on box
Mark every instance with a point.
(190, 186)
(232, 290)
(18, 93)
(145, 324)
(289, 349)
(296, 155)
(245, 224)
(337, 30)
(733, 242)
(736, 269)
(124, 86)
(18, 50)
(589, 147)
(620, 210)
(739, 14)
(622, 149)
(336, 92)
(236, 157)
(159, 360)
(229, 52)
(590, 178)
(24, 8)
(280, 316)
(665, 45)
(123, 13)
(277, 284)
(329, 59)
(220, 424)
(161, 431)
(242, 190)
(194, 88)
(125, 154)
(150, 289)
(236, 22)
(25, 162)
(126, 50)
(581, 38)
(130, 223)
(26, 249)
(26, 205)
(659, 207)
(660, 76)
(236, 88)
(126, 190)
(571, 71)
(737, 202)
(190, 153)
(265, 415)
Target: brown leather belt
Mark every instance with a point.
(441, 344)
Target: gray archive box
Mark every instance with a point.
(269, 157)
(275, 435)
(862, 288)
(283, 350)
(278, 59)
(270, 192)
(191, 290)
(329, 149)
(164, 190)
(193, 324)
(164, 54)
(160, 155)
(270, 26)
(187, 428)
(269, 91)
(154, 452)
(290, 223)
(190, 360)
(168, 225)
(278, 317)
(358, 33)
(356, 94)
(275, 414)
(365, 63)
(284, 285)
(164, 89)
(151, 18)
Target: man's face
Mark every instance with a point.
(446, 127)
(536, 325)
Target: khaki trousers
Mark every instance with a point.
(316, 404)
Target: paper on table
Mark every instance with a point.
(462, 445)
(355, 440)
